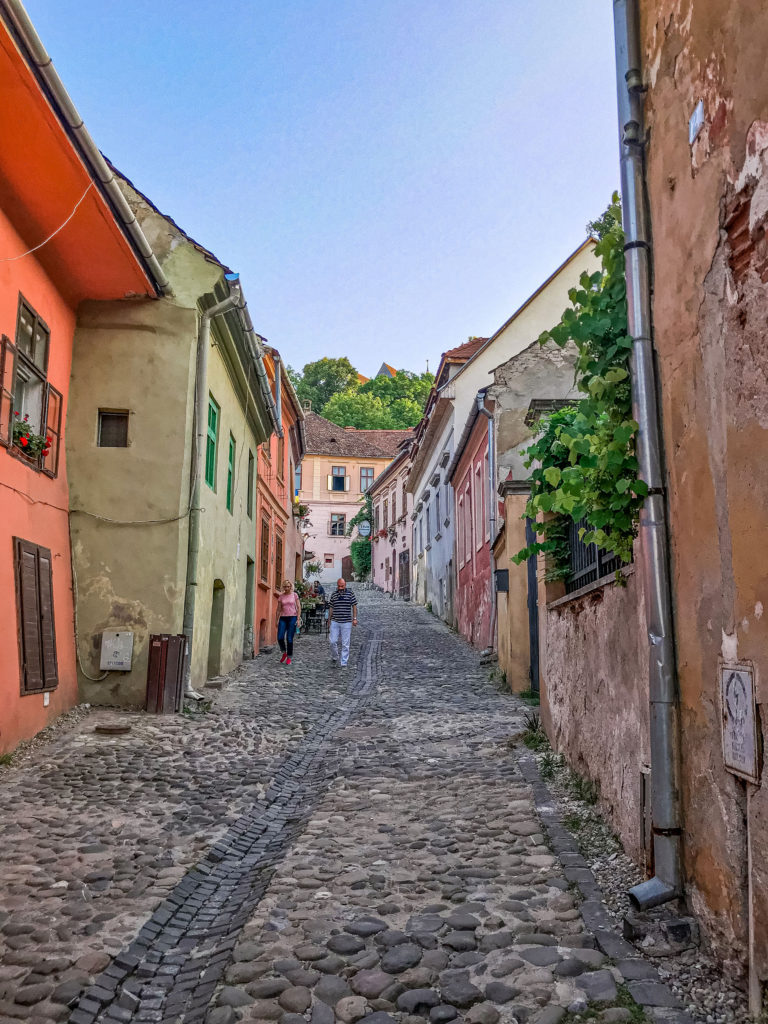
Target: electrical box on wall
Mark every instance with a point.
(116, 650)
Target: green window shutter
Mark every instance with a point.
(211, 444)
(230, 473)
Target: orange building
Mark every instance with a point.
(279, 543)
(51, 188)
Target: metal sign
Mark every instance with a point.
(116, 650)
(364, 528)
(739, 723)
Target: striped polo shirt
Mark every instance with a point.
(342, 602)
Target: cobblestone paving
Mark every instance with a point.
(325, 846)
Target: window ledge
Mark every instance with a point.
(604, 581)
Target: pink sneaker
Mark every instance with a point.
(282, 660)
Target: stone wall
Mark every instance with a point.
(594, 672)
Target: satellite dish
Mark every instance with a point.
(364, 528)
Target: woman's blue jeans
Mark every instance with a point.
(286, 630)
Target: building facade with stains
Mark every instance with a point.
(163, 501)
(391, 531)
(46, 179)
(279, 540)
(705, 86)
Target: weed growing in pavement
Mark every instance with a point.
(529, 696)
(534, 736)
(594, 1011)
(200, 707)
(583, 789)
(6, 760)
(549, 763)
(573, 822)
(637, 1014)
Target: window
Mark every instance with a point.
(366, 477)
(30, 407)
(37, 634)
(460, 528)
(376, 512)
(212, 443)
(329, 561)
(297, 479)
(230, 473)
(281, 457)
(251, 474)
(467, 523)
(393, 499)
(479, 506)
(278, 560)
(486, 497)
(113, 429)
(338, 524)
(437, 512)
(429, 531)
(386, 568)
(385, 514)
(265, 549)
(588, 563)
(404, 500)
(338, 481)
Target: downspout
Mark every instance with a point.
(278, 390)
(200, 428)
(662, 684)
(25, 32)
(480, 399)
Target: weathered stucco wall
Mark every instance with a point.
(594, 672)
(709, 210)
(135, 355)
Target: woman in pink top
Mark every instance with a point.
(288, 611)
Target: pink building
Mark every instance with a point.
(391, 534)
(474, 512)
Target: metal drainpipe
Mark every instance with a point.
(480, 399)
(664, 713)
(201, 421)
(278, 390)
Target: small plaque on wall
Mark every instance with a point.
(739, 721)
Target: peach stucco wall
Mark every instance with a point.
(34, 507)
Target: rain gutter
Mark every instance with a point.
(17, 20)
(666, 883)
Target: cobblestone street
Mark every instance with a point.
(322, 845)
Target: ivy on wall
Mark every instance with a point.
(360, 548)
(584, 460)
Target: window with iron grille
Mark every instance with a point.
(338, 524)
(366, 477)
(113, 429)
(278, 560)
(588, 562)
(37, 634)
(264, 567)
(212, 443)
(231, 473)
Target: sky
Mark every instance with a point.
(389, 177)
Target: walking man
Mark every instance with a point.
(343, 616)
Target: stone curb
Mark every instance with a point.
(642, 979)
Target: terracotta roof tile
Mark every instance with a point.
(465, 351)
(326, 438)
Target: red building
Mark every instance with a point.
(50, 188)
(470, 475)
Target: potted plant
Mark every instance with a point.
(26, 441)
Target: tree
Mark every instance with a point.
(414, 387)
(321, 380)
(354, 409)
(383, 403)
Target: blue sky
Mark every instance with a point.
(388, 176)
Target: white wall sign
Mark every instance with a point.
(364, 528)
(116, 650)
(737, 707)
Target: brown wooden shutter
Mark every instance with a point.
(47, 625)
(7, 368)
(29, 616)
(37, 634)
(53, 404)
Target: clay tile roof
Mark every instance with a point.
(326, 438)
(465, 351)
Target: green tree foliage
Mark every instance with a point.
(382, 403)
(322, 379)
(584, 458)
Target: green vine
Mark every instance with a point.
(584, 460)
(360, 548)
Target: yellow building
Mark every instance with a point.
(340, 465)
